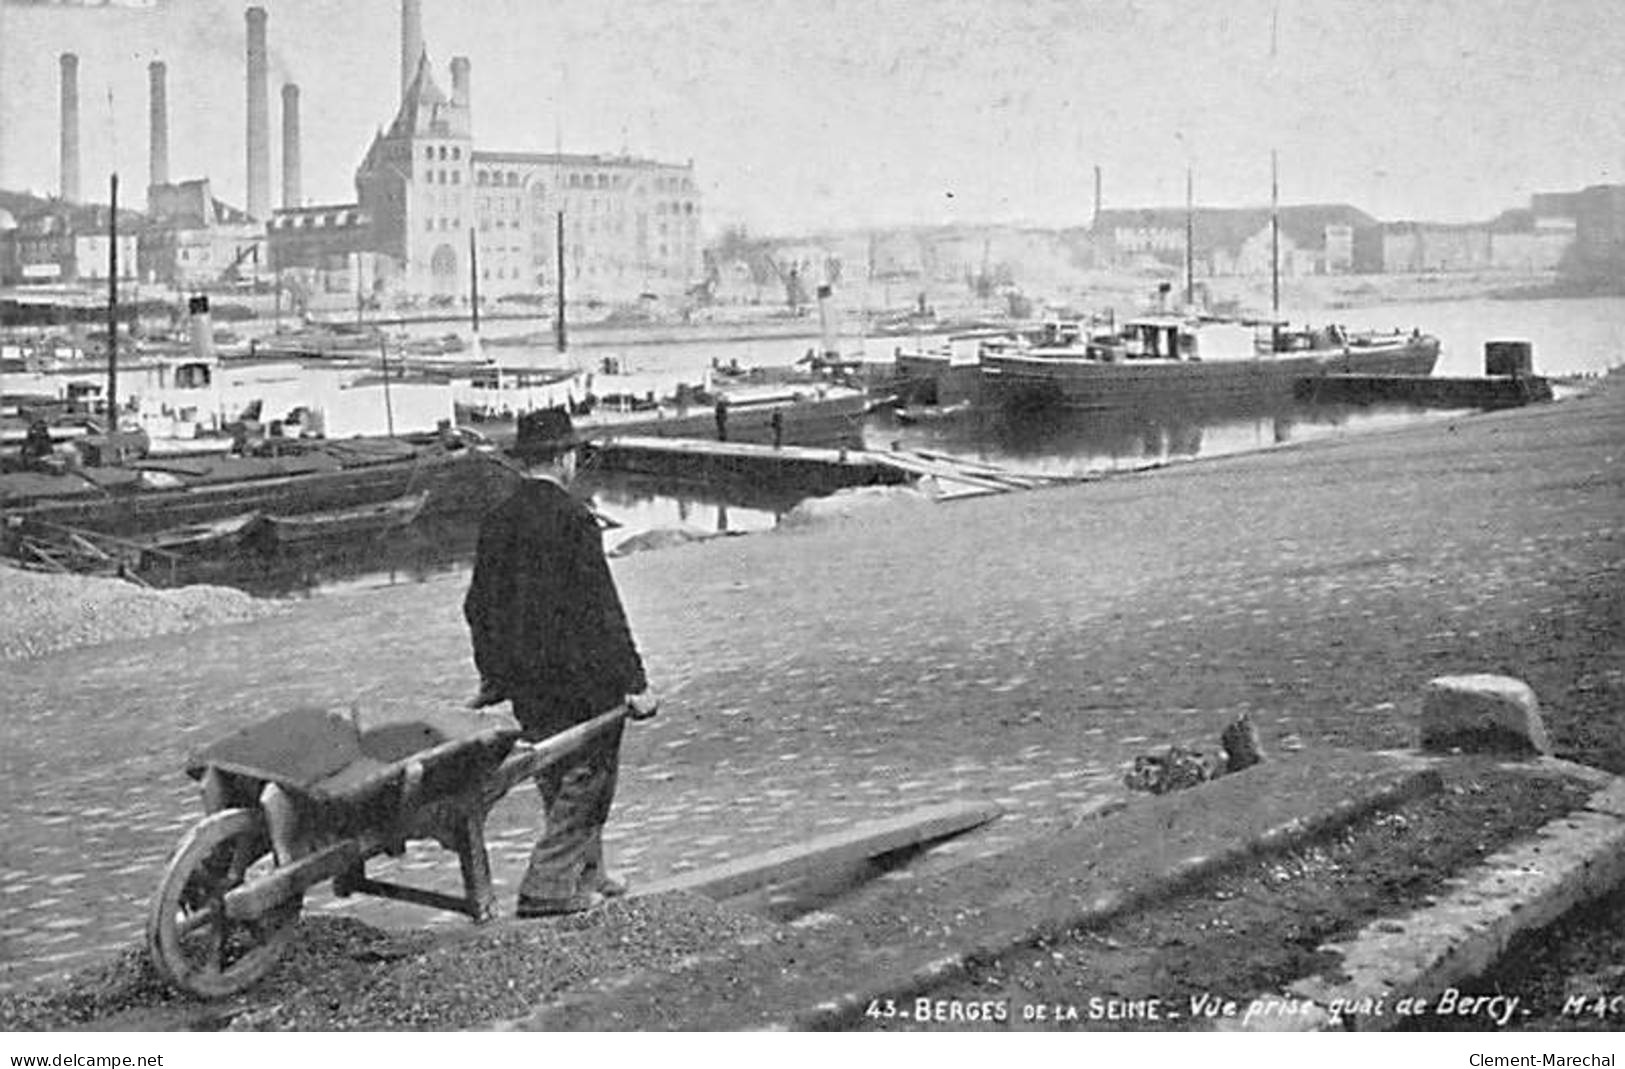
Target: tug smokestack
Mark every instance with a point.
(411, 42)
(70, 127)
(292, 194)
(259, 117)
(158, 124)
(827, 325)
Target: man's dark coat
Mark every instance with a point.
(546, 619)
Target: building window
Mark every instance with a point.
(428, 152)
(456, 153)
(513, 178)
(456, 178)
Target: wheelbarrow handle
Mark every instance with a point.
(527, 759)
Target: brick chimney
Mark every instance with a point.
(259, 117)
(460, 87)
(70, 127)
(292, 194)
(157, 124)
(411, 42)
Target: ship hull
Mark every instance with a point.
(1089, 383)
(459, 482)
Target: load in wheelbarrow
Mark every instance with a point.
(307, 796)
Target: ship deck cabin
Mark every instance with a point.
(1178, 339)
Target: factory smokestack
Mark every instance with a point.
(3, 132)
(411, 42)
(259, 118)
(70, 127)
(292, 196)
(158, 124)
(460, 87)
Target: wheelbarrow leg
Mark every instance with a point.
(476, 866)
(282, 821)
(215, 794)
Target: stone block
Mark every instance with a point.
(1482, 713)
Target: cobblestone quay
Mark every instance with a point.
(1020, 648)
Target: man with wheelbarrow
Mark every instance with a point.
(550, 635)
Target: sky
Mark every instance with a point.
(806, 115)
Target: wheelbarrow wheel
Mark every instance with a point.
(193, 943)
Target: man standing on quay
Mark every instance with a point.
(550, 635)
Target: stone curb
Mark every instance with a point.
(825, 970)
(1286, 836)
(1418, 958)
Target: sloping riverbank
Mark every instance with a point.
(44, 613)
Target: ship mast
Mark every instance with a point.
(558, 323)
(1190, 240)
(474, 294)
(1275, 253)
(112, 306)
(474, 283)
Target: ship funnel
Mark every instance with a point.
(201, 328)
(828, 332)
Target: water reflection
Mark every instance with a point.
(641, 503)
(1070, 441)
(1049, 441)
(441, 544)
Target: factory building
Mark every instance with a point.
(194, 240)
(66, 243)
(436, 215)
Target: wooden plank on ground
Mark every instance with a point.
(705, 447)
(829, 851)
(1036, 478)
(943, 471)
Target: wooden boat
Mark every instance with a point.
(1175, 361)
(340, 523)
(913, 414)
(807, 415)
(148, 496)
(201, 537)
(55, 547)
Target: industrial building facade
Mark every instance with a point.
(442, 215)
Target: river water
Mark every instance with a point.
(1570, 337)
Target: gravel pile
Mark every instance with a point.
(341, 974)
(42, 613)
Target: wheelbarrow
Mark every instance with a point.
(307, 796)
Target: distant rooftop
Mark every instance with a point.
(1304, 224)
(573, 159)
